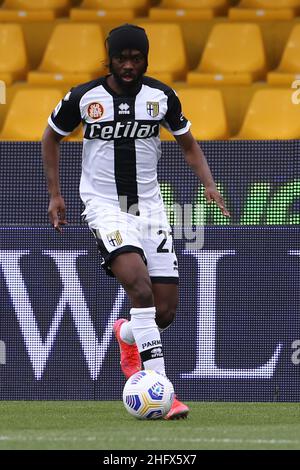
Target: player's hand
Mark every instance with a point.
(57, 212)
(212, 195)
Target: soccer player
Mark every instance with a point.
(121, 115)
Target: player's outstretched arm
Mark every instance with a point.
(51, 155)
(195, 158)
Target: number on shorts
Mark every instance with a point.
(160, 248)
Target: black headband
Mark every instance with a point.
(127, 36)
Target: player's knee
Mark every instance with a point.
(143, 297)
(165, 315)
(140, 293)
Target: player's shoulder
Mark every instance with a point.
(78, 91)
(153, 83)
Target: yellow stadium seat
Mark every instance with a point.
(13, 57)
(174, 10)
(271, 115)
(167, 56)
(27, 115)
(124, 10)
(75, 53)
(206, 111)
(194, 4)
(33, 10)
(289, 67)
(265, 10)
(234, 54)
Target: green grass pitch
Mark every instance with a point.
(107, 426)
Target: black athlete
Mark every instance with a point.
(121, 115)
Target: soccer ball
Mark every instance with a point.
(148, 395)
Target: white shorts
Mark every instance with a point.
(118, 232)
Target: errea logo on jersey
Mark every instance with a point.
(124, 108)
(121, 130)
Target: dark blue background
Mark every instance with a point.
(234, 164)
(257, 307)
(257, 297)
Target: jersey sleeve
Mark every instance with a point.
(175, 121)
(66, 116)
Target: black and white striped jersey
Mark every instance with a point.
(121, 145)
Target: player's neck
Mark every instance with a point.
(118, 89)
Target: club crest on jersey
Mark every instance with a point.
(153, 108)
(114, 238)
(95, 110)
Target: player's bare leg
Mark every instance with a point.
(131, 271)
(166, 301)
